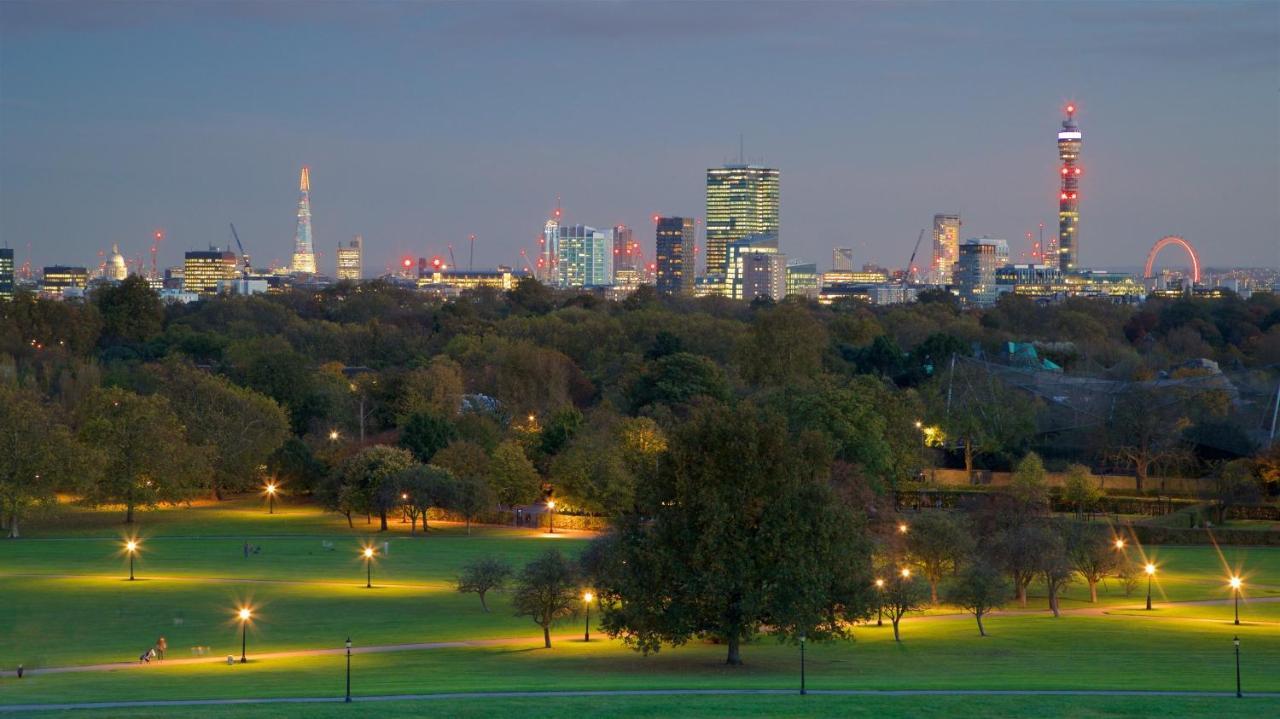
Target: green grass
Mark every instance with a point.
(66, 602)
(859, 707)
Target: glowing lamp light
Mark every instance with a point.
(588, 597)
(879, 584)
(131, 546)
(1119, 543)
(333, 434)
(1150, 568)
(1236, 582)
(902, 528)
(551, 504)
(271, 488)
(245, 614)
(368, 553)
(906, 573)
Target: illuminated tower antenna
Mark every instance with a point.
(1068, 195)
(304, 257)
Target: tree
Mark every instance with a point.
(1018, 550)
(676, 380)
(1232, 483)
(738, 530)
(786, 344)
(512, 475)
(546, 591)
(464, 458)
(335, 495)
(131, 311)
(146, 458)
(1081, 489)
(482, 576)
(239, 427)
(473, 496)
(978, 589)
(422, 487)
(435, 389)
(296, 466)
(986, 416)
(426, 433)
(1092, 554)
(1027, 485)
(366, 474)
(937, 542)
(592, 472)
(901, 595)
(1145, 429)
(38, 455)
(1055, 567)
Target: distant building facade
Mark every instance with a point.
(351, 260)
(842, 259)
(803, 279)
(59, 278)
(946, 247)
(742, 200)
(584, 257)
(975, 274)
(674, 257)
(202, 270)
(6, 273)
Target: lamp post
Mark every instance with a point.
(1235, 589)
(1236, 640)
(271, 497)
(245, 614)
(551, 518)
(586, 599)
(1119, 544)
(902, 527)
(879, 602)
(348, 699)
(803, 639)
(1151, 572)
(368, 567)
(333, 435)
(131, 547)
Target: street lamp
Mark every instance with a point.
(245, 615)
(880, 603)
(551, 518)
(586, 599)
(333, 435)
(131, 548)
(1236, 640)
(906, 573)
(803, 639)
(1151, 572)
(1119, 544)
(1236, 583)
(368, 567)
(271, 497)
(902, 527)
(348, 699)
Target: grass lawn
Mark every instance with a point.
(737, 706)
(67, 602)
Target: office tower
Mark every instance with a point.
(1068, 200)
(1050, 253)
(626, 251)
(203, 269)
(351, 260)
(756, 268)
(946, 247)
(584, 257)
(803, 279)
(60, 277)
(742, 201)
(6, 273)
(673, 248)
(842, 259)
(304, 257)
(975, 273)
(546, 265)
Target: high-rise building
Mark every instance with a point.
(60, 277)
(975, 273)
(1068, 200)
(304, 256)
(203, 269)
(584, 257)
(546, 265)
(742, 201)
(756, 269)
(803, 279)
(626, 251)
(6, 273)
(946, 247)
(351, 260)
(842, 259)
(673, 248)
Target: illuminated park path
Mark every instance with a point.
(457, 696)
(535, 640)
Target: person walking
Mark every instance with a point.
(161, 645)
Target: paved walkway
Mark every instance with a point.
(460, 696)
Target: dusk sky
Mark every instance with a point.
(424, 123)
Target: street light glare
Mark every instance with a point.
(588, 597)
(551, 504)
(131, 546)
(1236, 582)
(333, 434)
(1151, 568)
(271, 488)
(879, 583)
(245, 613)
(1119, 543)
(906, 573)
(368, 552)
(902, 528)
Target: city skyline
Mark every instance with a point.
(866, 166)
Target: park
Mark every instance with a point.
(76, 621)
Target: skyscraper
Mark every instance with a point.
(742, 200)
(842, 259)
(673, 248)
(304, 257)
(756, 269)
(975, 273)
(202, 270)
(351, 260)
(1068, 203)
(584, 257)
(946, 247)
(6, 273)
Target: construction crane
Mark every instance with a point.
(906, 276)
(244, 258)
(452, 262)
(471, 262)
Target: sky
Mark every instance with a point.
(424, 123)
